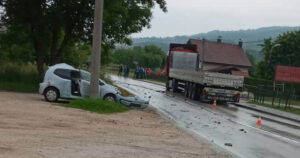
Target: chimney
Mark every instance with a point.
(241, 43)
(219, 39)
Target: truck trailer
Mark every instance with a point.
(185, 73)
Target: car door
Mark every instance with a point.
(102, 89)
(76, 84)
(62, 81)
(85, 83)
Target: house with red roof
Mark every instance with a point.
(222, 57)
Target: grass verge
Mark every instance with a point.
(97, 106)
(18, 77)
(276, 101)
(18, 87)
(290, 110)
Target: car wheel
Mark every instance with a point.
(51, 94)
(110, 97)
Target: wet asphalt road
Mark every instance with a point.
(277, 137)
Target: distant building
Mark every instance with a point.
(222, 57)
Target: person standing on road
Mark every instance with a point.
(138, 72)
(143, 73)
(124, 70)
(148, 72)
(127, 70)
(120, 70)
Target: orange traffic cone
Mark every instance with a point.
(259, 122)
(214, 105)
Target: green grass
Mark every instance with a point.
(97, 106)
(18, 87)
(295, 102)
(290, 110)
(276, 101)
(18, 77)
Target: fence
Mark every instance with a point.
(271, 92)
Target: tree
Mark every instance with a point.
(55, 25)
(264, 68)
(285, 50)
(15, 47)
(148, 56)
(252, 61)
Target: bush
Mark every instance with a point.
(19, 77)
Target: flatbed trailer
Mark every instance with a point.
(184, 74)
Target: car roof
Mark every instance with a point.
(62, 66)
(67, 66)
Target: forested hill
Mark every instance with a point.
(252, 38)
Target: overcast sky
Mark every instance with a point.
(186, 17)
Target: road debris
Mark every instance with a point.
(228, 144)
(218, 122)
(184, 110)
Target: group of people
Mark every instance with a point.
(124, 70)
(142, 73)
(139, 73)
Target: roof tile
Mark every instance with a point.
(223, 53)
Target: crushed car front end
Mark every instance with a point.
(134, 101)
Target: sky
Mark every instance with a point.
(187, 17)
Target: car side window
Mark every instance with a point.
(101, 83)
(85, 76)
(63, 73)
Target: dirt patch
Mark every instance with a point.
(31, 127)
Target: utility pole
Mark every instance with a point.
(96, 50)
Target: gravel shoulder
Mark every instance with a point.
(33, 128)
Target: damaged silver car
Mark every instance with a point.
(66, 82)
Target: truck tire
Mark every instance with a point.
(192, 90)
(201, 96)
(175, 85)
(167, 85)
(197, 92)
(186, 89)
